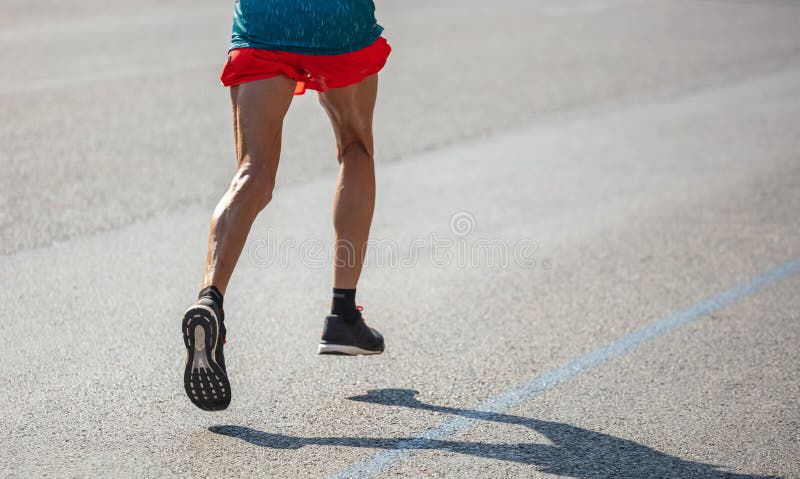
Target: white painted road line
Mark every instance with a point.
(528, 390)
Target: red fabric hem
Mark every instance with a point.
(316, 72)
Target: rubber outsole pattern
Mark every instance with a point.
(205, 382)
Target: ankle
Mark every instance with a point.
(212, 293)
(343, 304)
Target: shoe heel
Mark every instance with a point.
(204, 381)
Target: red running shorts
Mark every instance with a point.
(317, 72)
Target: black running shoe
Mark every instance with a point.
(205, 378)
(349, 337)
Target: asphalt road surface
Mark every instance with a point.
(585, 251)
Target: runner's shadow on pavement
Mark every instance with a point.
(574, 452)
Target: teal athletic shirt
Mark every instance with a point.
(316, 27)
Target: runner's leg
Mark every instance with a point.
(350, 111)
(258, 111)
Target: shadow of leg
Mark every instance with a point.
(574, 452)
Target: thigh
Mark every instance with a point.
(350, 111)
(258, 111)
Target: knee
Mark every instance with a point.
(251, 188)
(357, 151)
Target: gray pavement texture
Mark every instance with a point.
(650, 149)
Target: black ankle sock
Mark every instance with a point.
(344, 303)
(212, 293)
